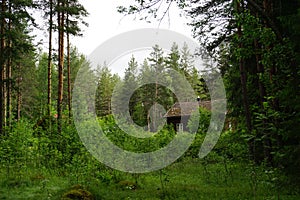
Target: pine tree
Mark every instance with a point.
(162, 84)
(2, 62)
(106, 85)
(49, 89)
(61, 34)
(130, 83)
(146, 94)
(74, 14)
(15, 22)
(173, 58)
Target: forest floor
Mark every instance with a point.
(185, 179)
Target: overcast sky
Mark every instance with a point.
(104, 23)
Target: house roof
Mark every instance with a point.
(186, 108)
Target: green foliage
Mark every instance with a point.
(232, 146)
(202, 116)
(270, 74)
(106, 85)
(257, 42)
(124, 141)
(152, 87)
(51, 166)
(38, 163)
(75, 12)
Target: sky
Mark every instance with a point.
(105, 22)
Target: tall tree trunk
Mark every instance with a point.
(8, 73)
(5, 92)
(19, 105)
(268, 8)
(8, 92)
(50, 59)
(1, 97)
(2, 61)
(4, 89)
(262, 94)
(19, 94)
(69, 68)
(154, 111)
(4, 64)
(243, 78)
(60, 63)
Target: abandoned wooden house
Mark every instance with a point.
(179, 114)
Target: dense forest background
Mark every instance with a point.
(254, 44)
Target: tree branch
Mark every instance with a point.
(268, 18)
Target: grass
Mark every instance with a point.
(187, 179)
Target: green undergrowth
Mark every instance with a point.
(40, 165)
(187, 179)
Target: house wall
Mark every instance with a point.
(176, 120)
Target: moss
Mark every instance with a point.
(38, 177)
(128, 185)
(77, 192)
(15, 183)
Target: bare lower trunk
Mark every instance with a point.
(9, 76)
(243, 78)
(8, 93)
(69, 72)
(4, 90)
(19, 96)
(60, 67)
(268, 8)
(50, 59)
(2, 43)
(19, 105)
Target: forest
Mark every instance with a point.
(253, 44)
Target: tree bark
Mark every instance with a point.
(8, 73)
(60, 63)
(50, 58)
(2, 65)
(243, 78)
(69, 69)
(4, 91)
(268, 8)
(267, 17)
(19, 96)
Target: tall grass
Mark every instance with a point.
(36, 163)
